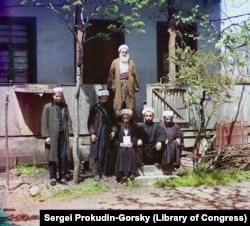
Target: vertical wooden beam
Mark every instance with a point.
(171, 54)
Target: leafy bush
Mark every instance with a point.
(198, 178)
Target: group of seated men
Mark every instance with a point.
(133, 144)
(150, 143)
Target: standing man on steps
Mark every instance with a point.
(123, 81)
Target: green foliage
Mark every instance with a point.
(90, 188)
(26, 170)
(235, 44)
(200, 71)
(130, 184)
(199, 178)
(126, 12)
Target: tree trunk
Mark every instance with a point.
(6, 140)
(171, 54)
(76, 129)
(171, 42)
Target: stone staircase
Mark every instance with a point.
(149, 174)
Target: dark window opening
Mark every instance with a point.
(17, 50)
(162, 45)
(99, 53)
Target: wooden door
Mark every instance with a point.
(99, 53)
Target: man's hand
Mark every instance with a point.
(178, 141)
(93, 138)
(130, 145)
(139, 142)
(47, 141)
(158, 146)
(111, 135)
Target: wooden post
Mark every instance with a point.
(171, 54)
(6, 140)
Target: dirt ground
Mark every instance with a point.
(20, 209)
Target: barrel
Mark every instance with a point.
(231, 133)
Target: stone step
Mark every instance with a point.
(149, 174)
(155, 170)
(150, 170)
(149, 180)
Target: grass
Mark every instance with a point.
(92, 188)
(26, 170)
(89, 189)
(130, 184)
(195, 179)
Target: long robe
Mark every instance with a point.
(127, 159)
(50, 128)
(172, 152)
(114, 85)
(151, 134)
(101, 122)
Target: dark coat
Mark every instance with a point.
(150, 135)
(50, 128)
(114, 85)
(101, 122)
(127, 157)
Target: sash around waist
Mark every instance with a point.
(124, 76)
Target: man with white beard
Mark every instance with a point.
(123, 81)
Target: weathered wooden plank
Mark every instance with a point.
(26, 103)
(164, 97)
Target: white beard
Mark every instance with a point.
(124, 59)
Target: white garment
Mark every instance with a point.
(123, 67)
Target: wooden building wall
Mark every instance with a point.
(20, 113)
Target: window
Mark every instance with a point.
(162, 45)
(17, 50)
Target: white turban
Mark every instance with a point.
(122, 47)
(58, 90)
(126, 111)
(168, 113)
(102, 92)
(146, 109)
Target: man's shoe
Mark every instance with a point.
(105, 178)
(157, 164)
(176, 165)
(97, 178)
(53, 182)
(132, 177)
(63, 181)
(124, 179)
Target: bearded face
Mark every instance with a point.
(168, 121)
(103, 100)
(169, 124)
(148, 118)
(124, 58)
